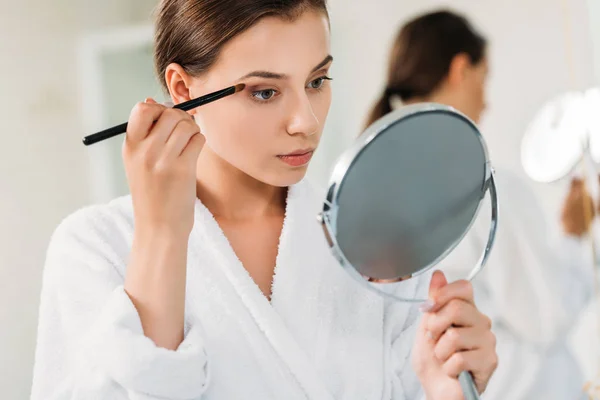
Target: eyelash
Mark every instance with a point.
(265, 101)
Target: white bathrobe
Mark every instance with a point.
(533, 288)
(322, 337)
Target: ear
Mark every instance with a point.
(458, 69)
(179, 83)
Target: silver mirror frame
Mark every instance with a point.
(328, 216)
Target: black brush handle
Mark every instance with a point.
(186, 106)
(105, 134)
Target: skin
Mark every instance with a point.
(226, 154)
(453, 336)
(463, 88)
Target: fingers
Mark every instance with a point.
(180, 138)
(141, 120)
(166, 124)
(151, 126)
(457, 313)
(464, 361)
(442, 295)
(454, 335)
(455, 340)
(438, 281)
(193, 148)
(480, 363)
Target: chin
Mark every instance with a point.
(287, 177)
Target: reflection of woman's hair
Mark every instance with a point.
(192, 33)
(421, 56)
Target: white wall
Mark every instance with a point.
(594, 18)
(43, 166)
(528, 63)
(586, 337)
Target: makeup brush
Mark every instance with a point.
(186, 106)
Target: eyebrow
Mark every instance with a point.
(274, 75)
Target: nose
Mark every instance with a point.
(303, 120)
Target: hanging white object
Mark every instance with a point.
(555, 140)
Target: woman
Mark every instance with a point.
(213, 280)
(532, 292)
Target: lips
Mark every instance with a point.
(297, 158)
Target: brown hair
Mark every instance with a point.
(421, 56)
(192, 33)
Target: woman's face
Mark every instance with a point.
(269, 130)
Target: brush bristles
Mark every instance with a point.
(239, 87)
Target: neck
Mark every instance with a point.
(230, 194)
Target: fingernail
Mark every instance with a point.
(429, 335)
(168, 104)
(427, 306)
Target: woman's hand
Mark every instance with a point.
(160, 155)
(578, 209)
(160, 162)
(453, 336)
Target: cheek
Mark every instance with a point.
(482, 88)
(238, 131)
(321, 105)
(478, 95)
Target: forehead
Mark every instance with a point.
(277, 45)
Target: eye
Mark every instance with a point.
(264, 94)
(318, 83)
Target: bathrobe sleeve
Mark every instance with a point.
(90, 340)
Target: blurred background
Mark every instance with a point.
(71, 67)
